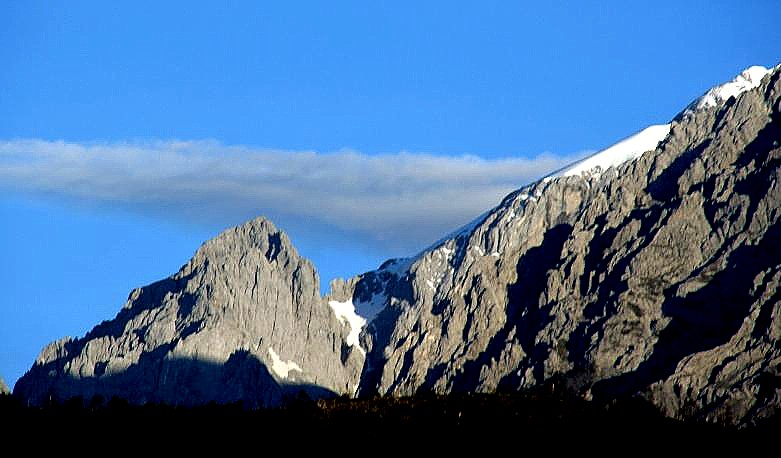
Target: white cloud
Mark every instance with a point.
(402, 201)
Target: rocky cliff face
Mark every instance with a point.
(242, 320)
(659, 277)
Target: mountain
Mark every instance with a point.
(243, 320)
(658, 276)
(649, 269)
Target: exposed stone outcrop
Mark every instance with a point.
(659, 278)
(242, 320)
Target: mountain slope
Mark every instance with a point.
(242, 320)
(653, 273)
(658, 277)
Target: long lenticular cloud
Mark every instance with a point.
(403, 200)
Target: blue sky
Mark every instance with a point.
(133, 131)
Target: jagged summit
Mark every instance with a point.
(650, 269)
(717, 95)
(648, 138)
(242, 320)
(657, 277)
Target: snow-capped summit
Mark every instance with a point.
(647, 139)
(621, 289)
(747, 79)
(562, 280)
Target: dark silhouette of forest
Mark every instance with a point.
(526, 416)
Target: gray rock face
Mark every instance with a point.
(3, 387)
(659, 278)
(242, 320)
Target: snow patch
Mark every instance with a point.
(282, 368)
(625, 150)
(345, 313)
(647, 139)
(748, 79)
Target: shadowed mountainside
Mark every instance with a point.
(243, 320)
(658, 279)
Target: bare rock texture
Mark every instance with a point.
(243, 320)
(658, 278)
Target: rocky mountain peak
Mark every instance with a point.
(242, 320)
(657, 277)
(257, 234)
(650, 269)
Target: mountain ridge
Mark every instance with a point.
(587, 276)
(245, 311)
(622, 232)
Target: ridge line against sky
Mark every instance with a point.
(87, 213)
